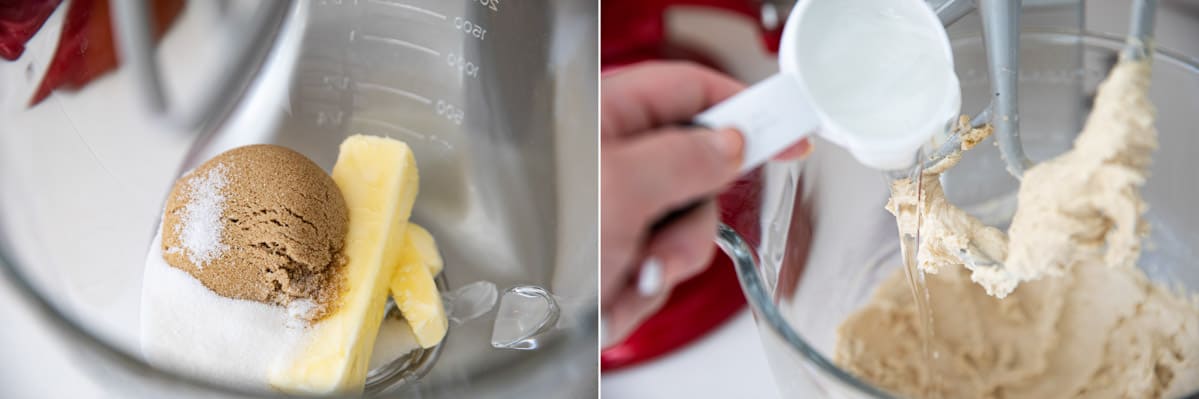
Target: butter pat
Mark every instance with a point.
(422, 242)
(415, 292)
(379, 180)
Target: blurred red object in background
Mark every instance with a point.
(86, 47)
(634, 31)
(19, 21)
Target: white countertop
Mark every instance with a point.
(728, 363)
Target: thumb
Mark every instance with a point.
(674, 167)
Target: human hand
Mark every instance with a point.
(650, 166)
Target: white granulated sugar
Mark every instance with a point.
(299, 311)
(395, 340)
(201, 222)
(187, 328)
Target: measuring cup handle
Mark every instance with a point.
(772, 115)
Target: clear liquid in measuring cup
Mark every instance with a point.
(877, 71)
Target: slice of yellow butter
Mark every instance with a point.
(379, 180)
(422, 242)
(415, 292)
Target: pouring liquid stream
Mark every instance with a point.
(909, 243)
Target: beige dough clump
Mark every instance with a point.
(1088, 198)
(1093, 332)
(262, 223)
(1097, 328)
(948, 232)
(1086, 201)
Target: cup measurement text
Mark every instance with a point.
(450, 112)
(470, 28)
(494, 5)
(463, 66)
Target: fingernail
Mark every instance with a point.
(806, 148)
(649, 279)
(728, 142)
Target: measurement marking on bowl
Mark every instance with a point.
(395, 127)
(463, 66)
(494, 5)
(407, 132)
(392, 90)
(409, 7)
(398, 42)
(340, 82)
(472, 29)
(329, 118)
(451, 112)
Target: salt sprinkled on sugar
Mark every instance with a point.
(298, 312)
(202, 225)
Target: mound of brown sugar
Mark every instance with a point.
(262, 223)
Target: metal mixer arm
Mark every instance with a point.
(133, 33)
(1001, 36)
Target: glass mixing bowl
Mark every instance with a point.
(827, 241)
(497, 100)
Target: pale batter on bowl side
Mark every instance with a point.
(1085, 322)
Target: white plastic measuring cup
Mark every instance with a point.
(873, 76)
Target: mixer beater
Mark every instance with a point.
(1001, 36)
(1001, 30)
